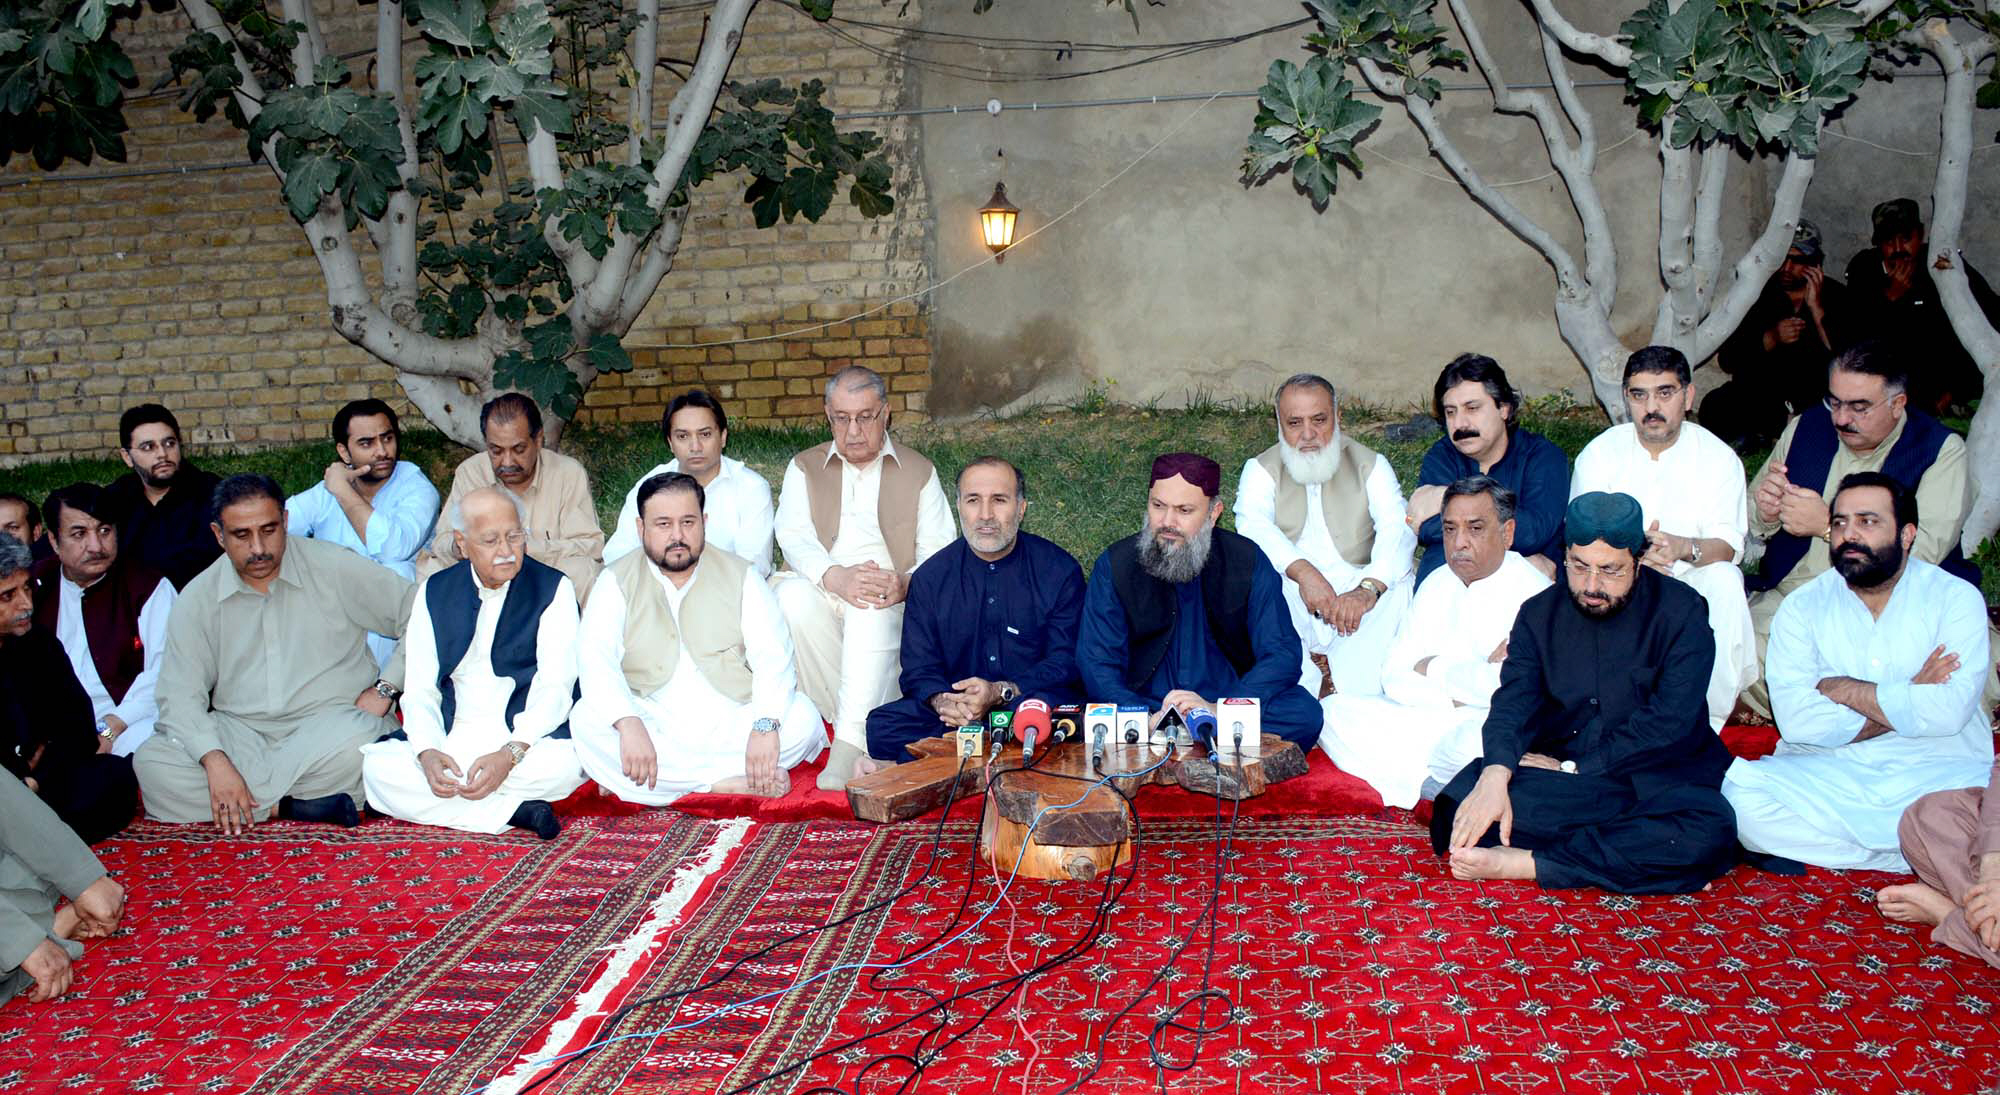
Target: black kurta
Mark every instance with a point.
(173, 536)
(48, 732)
(1625, 698)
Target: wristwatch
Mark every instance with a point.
(1008, 692)
(1375, 586)
(104, 731)
(388, 691)
(517, 750)
(1694, 552)
(1568, 766)
(764, 726)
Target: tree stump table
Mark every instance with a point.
(1085, 825)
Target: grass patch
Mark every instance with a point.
(1086, 463)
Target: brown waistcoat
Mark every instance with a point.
(710, 627)
(1343, 500)
(903, 477)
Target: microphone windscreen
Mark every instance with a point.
(1031, 721)
(1067, 722)
(1201, 724)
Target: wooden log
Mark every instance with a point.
(913, 789)
(1202, 774)
(1101, 817)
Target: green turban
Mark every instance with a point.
(1615, 519)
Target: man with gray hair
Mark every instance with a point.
(855, 517)
(1441, 672)
(1327, 512)
(491, 665)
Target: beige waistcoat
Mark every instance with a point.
(903, 477)
(1343, 500)
(711, 626)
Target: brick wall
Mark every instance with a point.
(196, 289)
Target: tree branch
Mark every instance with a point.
(1679, 308)
(250, 92)
(1609, 50)
(659, 260)
(311, 45)
(1570, 281)
(1759, 261)
(645, 51)
(1708, 204)
(1600, 246)
(596, 304)
(395, 235)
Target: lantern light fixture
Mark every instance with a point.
(996, 222)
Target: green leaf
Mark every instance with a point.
(606, 355)
(1988, 96)
(822, 10)
(552, 340)
(308, 180)
(541, 105)
(461, 23)
(808, 192)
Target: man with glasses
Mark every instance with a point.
(1875, 674)
(491, 668)
(162, 505)
(559, 517)
(1599, 766)
(1690, 486)
(855, 517)
(1865, 425)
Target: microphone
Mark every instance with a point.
(1066, 723)
(1031, 724)
(1099, 717)
(1201, 726)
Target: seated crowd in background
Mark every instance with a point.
(1548, 653)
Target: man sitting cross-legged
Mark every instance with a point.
(267, 689)
(491, 661)
(1600, 769)
(40, 861)
(1875, 670)
(1441, 671)
(991, 620)
(1182, 614)
(686, 667)
(1952, 840)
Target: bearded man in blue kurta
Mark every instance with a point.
(1183, 613)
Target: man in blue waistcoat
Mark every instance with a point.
(990, 620)
(1865, 425)
(491, 674)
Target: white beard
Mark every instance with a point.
(1310, 468)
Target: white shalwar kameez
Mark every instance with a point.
(1427, 725)
(700, 735)
(1824, 798)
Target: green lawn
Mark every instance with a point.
(1086, 466)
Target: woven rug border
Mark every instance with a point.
(333, 1046)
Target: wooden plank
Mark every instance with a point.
(903, 791)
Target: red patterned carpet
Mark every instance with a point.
(393, 959)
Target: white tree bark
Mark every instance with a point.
(1960, 60)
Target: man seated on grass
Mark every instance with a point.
(991, 620)
(1481, 415)
(1329, 515)
(1439, 675)
(856, 516)
(41, 860)
(1599, 767)
(1875, 670)
(369, 501)
(490, 658)
(740, 513)
(1183, 614)
(1690, 486)
(686, 667)
(560, 520)
(19, 520)
(162, 503)
(268, 690)
(1952, 840)
(109, 611)
(47, 735)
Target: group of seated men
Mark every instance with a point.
(1547, 654)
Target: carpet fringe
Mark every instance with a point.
(629, 952)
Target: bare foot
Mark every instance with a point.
(66, 923)
(1493, 863)
(866, 765)
(1913, 903)
(98, 908)
(779, 787)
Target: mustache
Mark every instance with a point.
(1654, 416)
(1849, 428)
(503, 560)
(260, 557)
(1464, 434)
(510, 469)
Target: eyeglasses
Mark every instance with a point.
(1582, 571)
(493, 540)
(1855, 407)
(843, 420)
(1647, 395)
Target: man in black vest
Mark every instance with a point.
(1183, 613)
(162, 505)
(491, 674)
(1866, 424)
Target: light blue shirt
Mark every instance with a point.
(406, 507)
